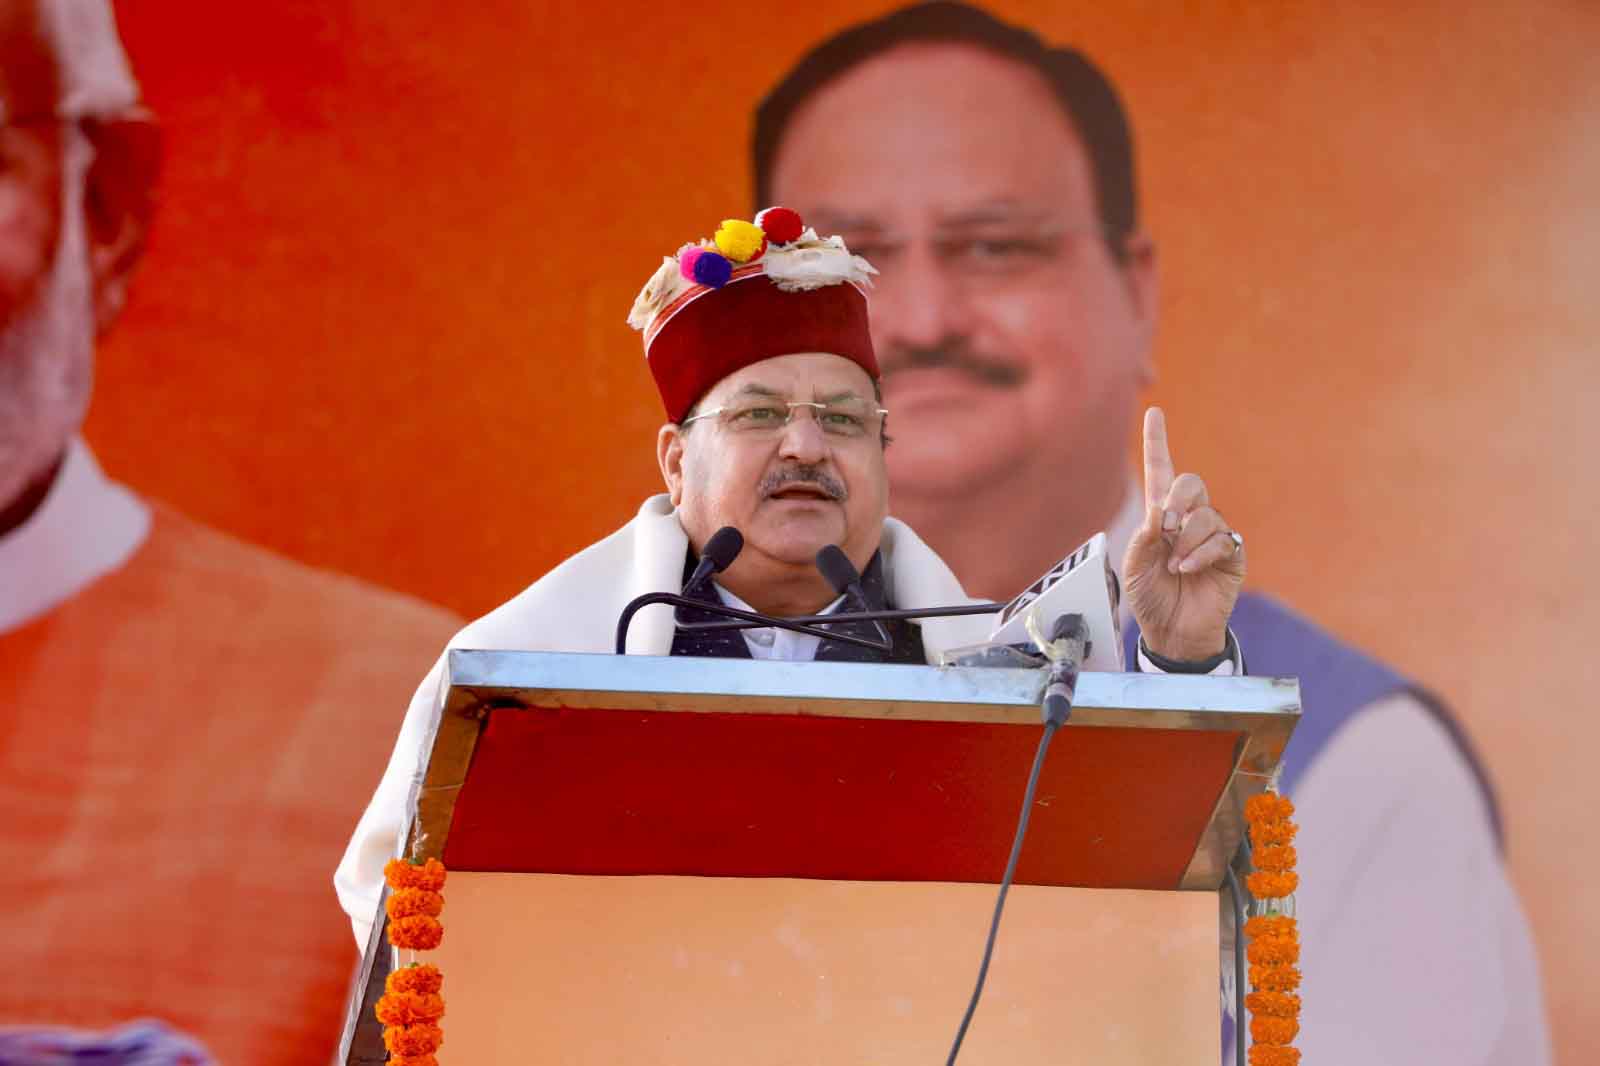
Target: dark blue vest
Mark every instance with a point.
(730, 643)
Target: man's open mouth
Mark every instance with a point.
(801, 492)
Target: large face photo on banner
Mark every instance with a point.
(371, 357)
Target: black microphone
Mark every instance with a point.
(841, 573)
(845, 579)
(721, 550)
(1069, 647)
(724, 546)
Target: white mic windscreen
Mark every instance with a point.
(1082, 583)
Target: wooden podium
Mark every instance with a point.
(673, 860)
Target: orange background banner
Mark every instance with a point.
(380, 326)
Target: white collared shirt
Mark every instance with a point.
(781, 645)
(87, 526)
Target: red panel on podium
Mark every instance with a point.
(556, 790)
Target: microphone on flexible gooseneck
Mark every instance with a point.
(721, 549)
(845, 579)
(841, 573)
(724, 546)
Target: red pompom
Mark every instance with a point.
(780, 224)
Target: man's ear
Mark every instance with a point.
(118, 203)
(1139, 272)
(669, 455)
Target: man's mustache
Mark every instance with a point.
(955, 354)
(803, 475)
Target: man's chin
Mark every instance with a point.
(794, 534)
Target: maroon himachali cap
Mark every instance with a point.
(755, 290)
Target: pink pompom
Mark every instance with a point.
(687, 260)
(780, 224)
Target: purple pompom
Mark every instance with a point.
(709, 269)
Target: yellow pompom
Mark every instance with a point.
(738, 239)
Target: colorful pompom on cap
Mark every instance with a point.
(755, 291)
(740, 241)
(780, 224)
(702, 266)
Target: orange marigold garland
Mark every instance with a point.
(1266, 1029)
(406, 902)
(1274, 978)
(405, 1009)
(402, 873)
(1265, 885)
(411, 1004)
(1274, 933)
(423, 1038)
(418, 979)
(416, 933)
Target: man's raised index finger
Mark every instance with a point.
(1157, 460)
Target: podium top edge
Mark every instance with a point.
(854, 689)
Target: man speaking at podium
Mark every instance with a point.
(759, 344)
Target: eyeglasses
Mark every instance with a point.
(848, 418)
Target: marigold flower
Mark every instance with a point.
(1275, 939)
(1273, 951)
(1270, 1030)
(420, 979)
(1265, 925)
(1276, 1004)
(1274, 977)
(401, 873)
(1268, 807)
(408, 1008)
(1265, 1055)
(1275, 858)
(418, 933)
(1272, 833)
(1265, 885)
(413, 1060)
(408, 901)
(421, 1039)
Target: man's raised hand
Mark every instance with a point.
(1185, 566)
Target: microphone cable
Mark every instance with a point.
(1066, 649)
(1005, 886)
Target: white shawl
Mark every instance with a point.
(574, 608)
